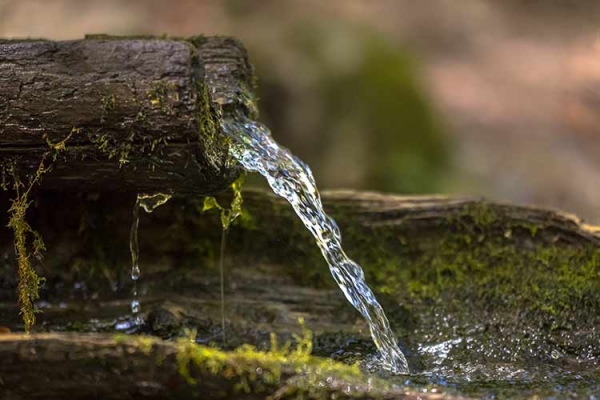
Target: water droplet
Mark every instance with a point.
(135, 272)
(135, 306)
(123, 325)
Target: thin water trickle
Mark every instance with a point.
(228, 215)
(291, 179)
(222, 281)
(149, 202)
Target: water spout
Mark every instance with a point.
(292, 179)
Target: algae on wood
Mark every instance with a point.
(146, 110)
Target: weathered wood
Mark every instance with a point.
(99, 366)
(140, 114)
(512, 290)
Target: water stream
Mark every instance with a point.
(149, 202)
(292, 179)
(222, 282)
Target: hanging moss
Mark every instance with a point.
(29, 282)
(28, 242)
(228, 215)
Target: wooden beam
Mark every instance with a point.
(133, 114)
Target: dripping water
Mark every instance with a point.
(291, 179)
(228, 215)
(222, 282)
(135, 268)
(149, 202)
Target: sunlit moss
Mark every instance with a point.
(477, 254)
(287, 371)
(228, 215)
(257, 369)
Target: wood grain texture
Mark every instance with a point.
(141, 114)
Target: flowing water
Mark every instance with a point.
(292, 179)
(149, 202)
(222, 281)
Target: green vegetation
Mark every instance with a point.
(27, 241)
(29, 281)
(108, 104)
(288, 369)
(228, 215)
(258, 370)
(163, 95)
(477, 256)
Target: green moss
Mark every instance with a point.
(259, 370)
(481, 213)
(112, 149)
(108, 104)
(492, 273)
(479, 258)
(288, 370)
(27, 241)
(228, 215)
(208, 114)
(25, 238)
(477, 255)
(247, 98)
(163, 95)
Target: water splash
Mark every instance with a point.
(291, 179)
(149, 202)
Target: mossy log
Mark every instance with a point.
(110, 113)
(53, 366)
(504, 290)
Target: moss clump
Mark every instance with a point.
(477, 255)
(27, 241)
(482, 257)
(29, 282)
(257, 371)
(208, 121)
(228, 215)
(289, 370)
(494, 273)
(108, 104)
(113, 149)
(163, 95)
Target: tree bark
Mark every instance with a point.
(135, 114)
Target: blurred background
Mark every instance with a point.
(499, 98)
